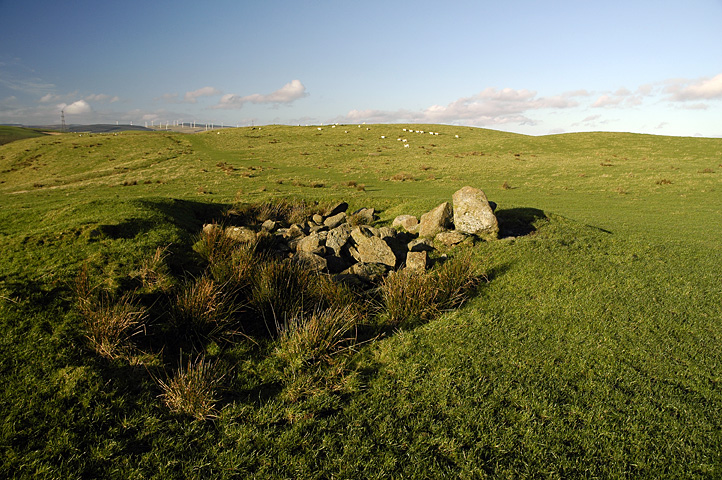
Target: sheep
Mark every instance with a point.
(406, 145)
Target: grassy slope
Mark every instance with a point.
(593, 350)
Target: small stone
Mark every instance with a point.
(318, 218)
(268, 225)
(450, 238)
(386, 233)
(210, 228)
(365, 215)
(295, 230)
(405, 222)
(338, 237)
(416, 261)
(241, 234)
(335, 221)
(361, 232)
(311, 261)
(421, 245)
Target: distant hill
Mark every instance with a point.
(102, 128)
(11, 133)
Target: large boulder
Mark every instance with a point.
(473, 214)
(335, 221)
(437, 220)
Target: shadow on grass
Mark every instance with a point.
(517, 222)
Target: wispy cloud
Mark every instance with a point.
(491, 106)
(700, 89)
(192, 97)
(289, 93)
(102, 97)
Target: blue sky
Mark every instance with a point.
(522, 66)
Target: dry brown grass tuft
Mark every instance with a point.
(202, 308)
(193, 390)
(110, 324)
(306, 340)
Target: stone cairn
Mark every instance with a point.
(362, 254)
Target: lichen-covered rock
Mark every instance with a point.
(473, 214)
(369, 272)
(365, 215)
(335, 221)
(241, 234)
(450, 238)
(337, 238)
(437, 220)
(416, 261)
(311, 261)
(421, 244)
(268, 225)
(309, 243)
(405, 221)
(360, 233)
(375, 250)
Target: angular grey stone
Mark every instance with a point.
(295, 230)
(309, 244)
(335, 221)
(435, 221)
(386, 232)
(450, 238)
(405, 221)
(318, 218)
(268, 225)
(375, 250)
(369, 272)
(241, 234)
(417, 261)
(338, 237)
(365, 215)
(361, 232)
(421, 245)
(311, 261)
(473, 214)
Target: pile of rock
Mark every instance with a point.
(358, 253)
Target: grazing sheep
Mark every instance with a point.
(406, 145)
(383, 136)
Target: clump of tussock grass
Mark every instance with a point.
(408, 297)
(283, 289)
(505, 186)
(286, 210)
(663, 181)
(193, 391)
(402, 177)
(456, 279)
(109, 323)
(305, 340)
(153, 272)
(202, 308)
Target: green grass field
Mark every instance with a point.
(592, 351)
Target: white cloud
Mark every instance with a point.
(192, 97)
(288, 93)
(489, 107)
(102, 97)
(75, 108)
(700, 89)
